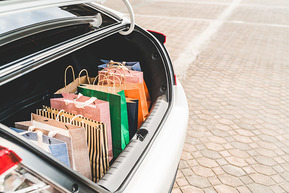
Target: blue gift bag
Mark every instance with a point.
(55, 147)
(130, 65)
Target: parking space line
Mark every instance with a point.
(211, 20)
(218, 3)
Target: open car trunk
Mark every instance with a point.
(22, 96)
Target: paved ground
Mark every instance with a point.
(233, 59)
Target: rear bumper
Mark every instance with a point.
(158, 168)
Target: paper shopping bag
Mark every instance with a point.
(129, 75)
(118, 113)
(55, 147)
(88, 107)
(129, 65)
(96, 138)
(72, 87)
(74, 136)
(132, 113)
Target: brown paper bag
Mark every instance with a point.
(72, 87)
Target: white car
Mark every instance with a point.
(38, 39)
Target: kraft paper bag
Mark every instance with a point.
(72, 87)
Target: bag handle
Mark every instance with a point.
(109, 80)
(66, 72)
(75, 118)
(52, 133)
(121, 75)
(97, 77)
(87, 76)
(80, 105)
(40, 139)
(57, 116)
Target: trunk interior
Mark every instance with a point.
(29, 92)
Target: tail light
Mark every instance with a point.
(15, 177)
(161, 37)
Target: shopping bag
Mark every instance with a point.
(129, 65)
(118, 113)
(132, 113)
(129, 75)
(88, 107)
(96, 138)
(74, 136)
(55, 147)
(72, 87)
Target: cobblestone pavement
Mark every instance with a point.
(237, 88)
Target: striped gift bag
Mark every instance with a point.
(96, 136)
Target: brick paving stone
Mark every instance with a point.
(187, 171)
(203, 171)
(279, 169)
(197, 181)
(207, 162)
(179, 174)
(259, 188)
(211, 154)
(237, 89)
(246, 179)
(209, 190)
(285, 186)
(249, 170)
(262, 169)
(239, 162)
(277, 188)
(266, 152)
(233, 170)
(214, 146)
(230, 180)
(214, 180)
(238, 153)
(183, 164)
(245, 132)
(217, 139)
(225, 189)
(182, 181)
(243, 189)
(222, 162)
(190, 189)
(241, 146)
(265, 160)
(262, 179)
(242, 139)
(278, 178)
(250, 160)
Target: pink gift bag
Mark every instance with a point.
(126, 76)
(88, 107)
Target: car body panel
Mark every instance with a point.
(158, 168)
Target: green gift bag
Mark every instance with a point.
(118, 113)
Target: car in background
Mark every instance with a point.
(38, 39)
